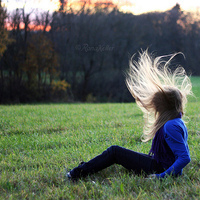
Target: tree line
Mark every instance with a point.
(82, 55)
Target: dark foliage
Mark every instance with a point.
(84, 55)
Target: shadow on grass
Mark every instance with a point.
(106, 176)
(48, 130)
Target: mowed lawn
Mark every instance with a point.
(37, 142)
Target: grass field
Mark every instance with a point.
(37, 141)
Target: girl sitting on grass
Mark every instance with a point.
(162, 96)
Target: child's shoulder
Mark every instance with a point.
(176, 124)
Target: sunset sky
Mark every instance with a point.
(135, 6)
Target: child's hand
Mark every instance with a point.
(151, 176)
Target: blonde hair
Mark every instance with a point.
(160, 93)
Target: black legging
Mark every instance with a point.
(129, 159)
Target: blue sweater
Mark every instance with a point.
(176, 135)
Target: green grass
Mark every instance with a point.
(37, 141)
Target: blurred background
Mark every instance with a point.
(79, 50)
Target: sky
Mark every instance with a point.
(134, 6)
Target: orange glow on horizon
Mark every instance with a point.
(76, 5)
(31, 27)
(54, 5)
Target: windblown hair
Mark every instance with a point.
(160, 93)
